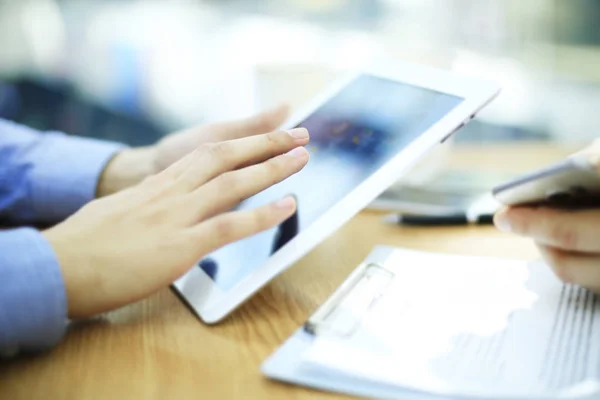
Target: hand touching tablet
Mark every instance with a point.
(125, 246)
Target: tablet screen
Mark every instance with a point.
(352, 135)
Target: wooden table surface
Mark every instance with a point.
(158, 349)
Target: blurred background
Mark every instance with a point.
(134, 70)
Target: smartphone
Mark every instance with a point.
(569, 183)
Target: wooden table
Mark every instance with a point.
(157, 349)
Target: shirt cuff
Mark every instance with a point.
(67, 174)
(33, 300)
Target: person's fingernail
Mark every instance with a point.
(299, 133)
(298, 152)
(501, 221)
(286, 203)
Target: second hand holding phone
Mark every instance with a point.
(572, 183)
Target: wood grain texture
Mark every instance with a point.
(158, 349)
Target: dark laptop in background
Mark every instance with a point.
(58, 107)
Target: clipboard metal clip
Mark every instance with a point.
(343, 311)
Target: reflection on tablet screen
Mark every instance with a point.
(352, 136)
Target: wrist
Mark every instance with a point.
(127, 168)
(74, 278)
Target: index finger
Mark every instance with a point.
(575, 230)
(213, 160)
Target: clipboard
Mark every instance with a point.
(366, 284)
(344, 311)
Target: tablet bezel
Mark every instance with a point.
(212, 304)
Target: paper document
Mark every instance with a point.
(470, 327)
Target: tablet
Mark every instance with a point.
(367, 130)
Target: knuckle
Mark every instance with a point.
(274, 170)
(261, 219)
(224, 229)
(200, 152)
(157, 216)
(274, 139)
(228, 183)
(157, 182)
(220, 152)
(564, 236)
(204, 149)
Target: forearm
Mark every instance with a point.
(33, 304)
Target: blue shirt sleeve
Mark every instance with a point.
(33, 304)
(43, 178)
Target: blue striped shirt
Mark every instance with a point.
(44, 178)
